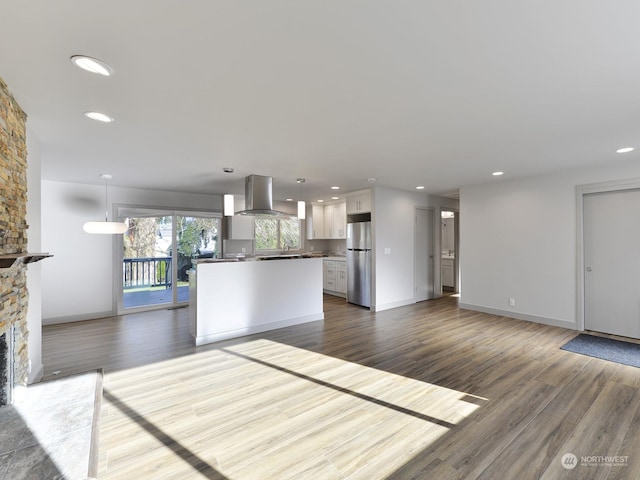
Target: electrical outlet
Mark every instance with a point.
(387, 251)
(244, 250)
(312, 248)
(512, 302)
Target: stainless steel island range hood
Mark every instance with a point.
(259, 197)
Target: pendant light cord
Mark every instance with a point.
(106, 200)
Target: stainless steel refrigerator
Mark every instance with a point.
(359, 263)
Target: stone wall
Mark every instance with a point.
(13, 226)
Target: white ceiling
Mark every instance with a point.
(436, 93)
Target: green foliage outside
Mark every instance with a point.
(140, 239)
(277, 233)
(196, 235)
(290, 233)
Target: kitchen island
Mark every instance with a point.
(230, 299)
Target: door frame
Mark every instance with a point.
(456, 243)
(117, 299)
(581, 191)
(431, 264)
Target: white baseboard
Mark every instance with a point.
(554, 322)
(36, 374)
(334, 293)
(241, 332)
(77, 318)
(387, 306)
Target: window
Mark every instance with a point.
(157, 251)
(277, 233)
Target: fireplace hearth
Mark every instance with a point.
(7, 362)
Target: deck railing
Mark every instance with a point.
(146, 272)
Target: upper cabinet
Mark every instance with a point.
(315, 222)
(335, 220)
(239, 227)
(359, 203)
(327, 221)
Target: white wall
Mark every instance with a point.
(448, 228)
(518, 240)
(77, 283)
(394, 228)
(34, 270)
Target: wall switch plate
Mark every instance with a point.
(512, 302)
(244, 250)
(387, 251)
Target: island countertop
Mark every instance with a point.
(255, 258)
(234, 298)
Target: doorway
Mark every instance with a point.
(449, 251)
(611, 238)
(156, 253)
(424, 249)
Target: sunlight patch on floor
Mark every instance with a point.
(264, 409)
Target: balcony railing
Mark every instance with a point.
(146, 272)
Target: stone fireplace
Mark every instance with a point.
(14, 356)
(6, 368)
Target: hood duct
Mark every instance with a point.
(259, 197)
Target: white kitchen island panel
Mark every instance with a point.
(241, 298)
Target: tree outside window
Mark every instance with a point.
(277, 233)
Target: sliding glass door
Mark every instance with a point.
(147, 266)
(196, 237)
(157, 252)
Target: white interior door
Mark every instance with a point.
(612, 262)
(424, 254)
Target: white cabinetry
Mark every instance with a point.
(341, 277)
(335, 277)
(335, 220)
(448, 279)
(239, 227)
(329, 278)
(315, 222)
(359, 203)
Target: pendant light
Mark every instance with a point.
(106, 227)
(228, 205)
(302, 208)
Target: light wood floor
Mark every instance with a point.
(427, 391)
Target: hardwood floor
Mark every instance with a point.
(427, 391)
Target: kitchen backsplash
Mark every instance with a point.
(337, 246)
(234, 247)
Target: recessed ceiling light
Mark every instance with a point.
(320, 201)
(497, 174)
(625, 150)
(420, 187)
(289, 199)
(100, 117)
(92, 65)
(335, 198)
(335, 188)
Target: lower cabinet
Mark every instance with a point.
(335, 277)
(448, 278)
